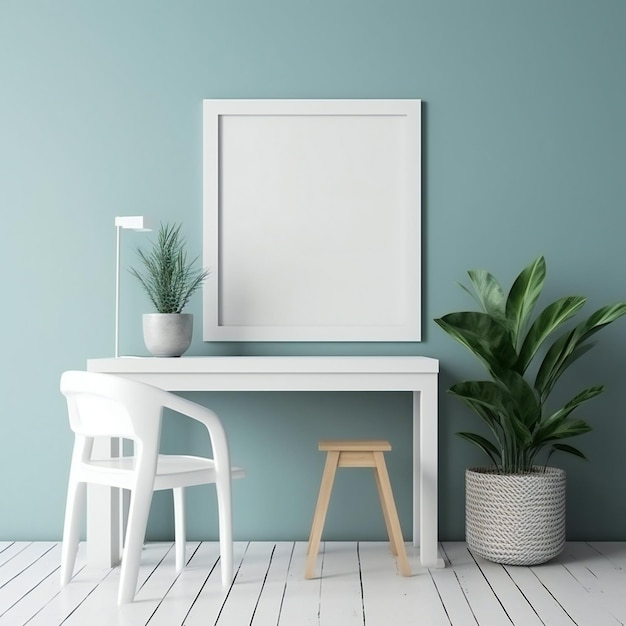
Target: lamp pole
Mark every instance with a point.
(117, 289)
(129, 222)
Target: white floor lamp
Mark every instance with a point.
(128, 222)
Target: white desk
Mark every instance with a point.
(415, 374)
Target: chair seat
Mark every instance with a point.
(173, 470)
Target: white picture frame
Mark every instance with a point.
(312, 220)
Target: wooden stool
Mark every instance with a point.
(357, 453)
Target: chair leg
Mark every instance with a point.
(74, 511)
(391, 514)
(179, 526)
(225, 517)
(319, 517)
(135, 533)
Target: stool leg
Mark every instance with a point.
(390, 533)
(391, 514)
(328, 477)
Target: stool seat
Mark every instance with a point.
(354, 445)
(357, 453)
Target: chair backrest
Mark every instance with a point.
(112, 406)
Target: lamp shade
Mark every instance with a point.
(132, 222)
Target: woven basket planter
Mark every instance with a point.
(515, 519)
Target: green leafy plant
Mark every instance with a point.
(523, 369)
(169, 278)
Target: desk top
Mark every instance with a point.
(267, 364)
(275, 373)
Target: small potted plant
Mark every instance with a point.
(515, 509)
(169, 279)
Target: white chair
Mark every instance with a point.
(112, 406)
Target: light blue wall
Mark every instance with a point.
(524, 154)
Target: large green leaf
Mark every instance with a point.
(568, 347)
(485, 399)
(489, 293)
(572, 356)
(485, 445)
(493, 402)
(563, 413)
(487, 392)
(483, 336)
(563, 447)
(517, 431)
(491, 418)
(561, 430)
(520, 399)
(482, 396)
(546, 323)
(523, 296)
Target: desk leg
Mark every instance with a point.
(425, 519)
(416, 469)
(104, 513)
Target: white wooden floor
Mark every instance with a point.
(359, 586)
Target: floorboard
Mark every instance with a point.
(40, 591)
(543, 602)
(273, 591)
(513, 601)
(340, 588)
(452, 596)
(486, 608)
(206, 607)
(570, 593)
(355, 584)
(12, 548)
(408, 600)
(173, 604)
(248, 585)
(99, 607)
(301, 598)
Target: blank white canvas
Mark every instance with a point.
(312, 220)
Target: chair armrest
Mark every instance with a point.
(211, 421)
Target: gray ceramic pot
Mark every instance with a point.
(167, 334)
